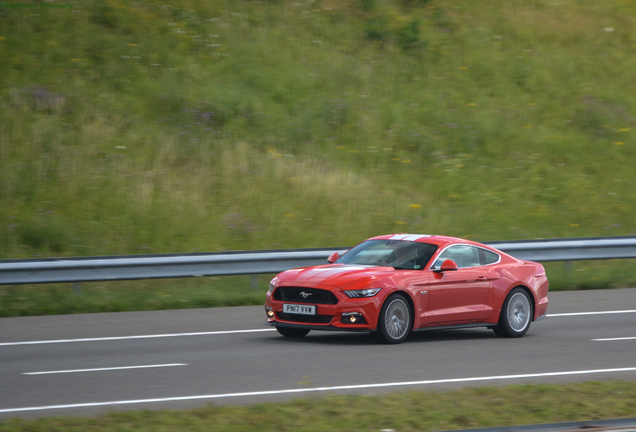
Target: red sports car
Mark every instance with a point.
(393, 284)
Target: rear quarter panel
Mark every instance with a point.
(516, 273)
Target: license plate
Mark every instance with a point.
(299, 309)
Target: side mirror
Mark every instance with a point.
(448, 265)
(333, 258)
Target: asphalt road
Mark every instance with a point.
(81, 364)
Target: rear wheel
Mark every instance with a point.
(395, 321)
(292, 332)
(516, 314)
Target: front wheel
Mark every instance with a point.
(395, 321)
(516, 314)
(292, 332)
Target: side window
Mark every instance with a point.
(463, 255)
(488, 257)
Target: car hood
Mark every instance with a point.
(334, 276)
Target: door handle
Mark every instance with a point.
(479, 279)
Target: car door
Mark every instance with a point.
(460, 296)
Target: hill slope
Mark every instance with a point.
(146, 127)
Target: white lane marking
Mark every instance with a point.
(591, 313)
(615, 339)
(214, 333)
(104, 369)
(319, 389)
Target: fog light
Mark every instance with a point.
(352, 318)
(270, 314)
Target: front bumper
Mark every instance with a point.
(358, 314)
(312, 327)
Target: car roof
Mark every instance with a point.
(439, 240)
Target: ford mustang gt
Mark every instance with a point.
(394, 284)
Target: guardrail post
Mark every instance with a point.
(77, 288)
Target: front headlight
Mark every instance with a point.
(272, 284)
(363, 293)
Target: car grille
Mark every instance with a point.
(305, 295)
(313, 319)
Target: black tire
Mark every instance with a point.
(292, 332)
(395, 321)
(516, 314)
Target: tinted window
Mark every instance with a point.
(488, 257)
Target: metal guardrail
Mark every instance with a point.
(113, 268)
(129, 267)
(609, 425)
(597, 248)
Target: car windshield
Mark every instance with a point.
(399, 254)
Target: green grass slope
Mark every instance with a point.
(146, 127)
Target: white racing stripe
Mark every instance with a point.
(105, 369)
(409, 237)
(319, 389)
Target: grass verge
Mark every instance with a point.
(405, 411)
